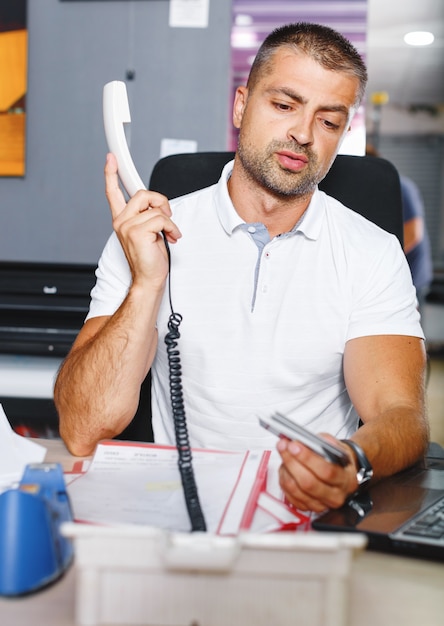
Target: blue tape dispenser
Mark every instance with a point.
(33, 553)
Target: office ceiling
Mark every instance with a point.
(413, 77)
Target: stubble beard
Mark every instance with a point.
(269, 174)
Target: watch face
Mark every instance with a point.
(360, 476)
(363, 476)
(365, 471)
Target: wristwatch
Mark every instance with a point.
(365, 470)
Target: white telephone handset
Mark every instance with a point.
(116, 113)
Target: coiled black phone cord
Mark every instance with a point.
(179, 417)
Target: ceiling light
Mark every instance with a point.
(419, 38)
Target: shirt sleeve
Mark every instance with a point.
(384, 300)
(113, 279)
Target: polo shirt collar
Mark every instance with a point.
(310, 225)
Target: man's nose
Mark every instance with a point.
(301, 130)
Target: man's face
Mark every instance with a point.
(292, 123)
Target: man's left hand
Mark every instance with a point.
(310, 482)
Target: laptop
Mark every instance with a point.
(402, 514)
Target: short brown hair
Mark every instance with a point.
(323, 44)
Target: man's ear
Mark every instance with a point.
(240, 101)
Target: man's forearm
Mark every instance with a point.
(394, 440)
(385, 377)
(98, 386)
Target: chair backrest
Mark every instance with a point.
(368, 185)
(140, 428)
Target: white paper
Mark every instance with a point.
(241, 496)
(130, 483)
(177, 146)
(189, 13)
(15, 453)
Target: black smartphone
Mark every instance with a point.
(283, 427)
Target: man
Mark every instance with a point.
(290, 301)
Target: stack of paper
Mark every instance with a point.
(133, 483)
(15, 453)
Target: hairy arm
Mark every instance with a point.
(98, 386)
(385, 379)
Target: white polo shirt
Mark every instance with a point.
(265, 324)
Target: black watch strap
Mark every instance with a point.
(365, 469)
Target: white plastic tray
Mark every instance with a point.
(140, 575)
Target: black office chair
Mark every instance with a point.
(368, 185)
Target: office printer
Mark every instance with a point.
(42, 308)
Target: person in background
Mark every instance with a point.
(291, 302)
(416, 239)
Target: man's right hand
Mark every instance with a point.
(139, 225)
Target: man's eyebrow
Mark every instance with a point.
(284, 91)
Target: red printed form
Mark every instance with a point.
(273, 512)
(133, 483)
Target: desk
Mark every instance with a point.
(385, 589)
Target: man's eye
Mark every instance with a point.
(282, 107)
(331, 125)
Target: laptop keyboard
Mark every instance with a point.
(429, 525)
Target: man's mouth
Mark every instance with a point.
(291, 160)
